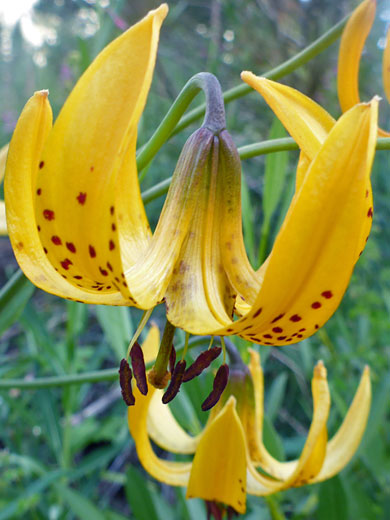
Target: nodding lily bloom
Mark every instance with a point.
(230, 449)
(352, 43)
(79, 229)
(3, 157)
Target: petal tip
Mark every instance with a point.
(161, 12)
(42, 93)
(320, 370)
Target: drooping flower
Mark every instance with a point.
(230, 449)
(352, 44)
(79, 229)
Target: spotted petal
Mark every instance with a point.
(87, 172)
(322, 236)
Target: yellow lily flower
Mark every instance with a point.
(352, 43)
(79, 229)
(230, 449)
(3, 158)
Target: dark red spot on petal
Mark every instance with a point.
(92, 168)
(78, 277)
(56, 240)
(81, 197)
(327, 294)
(103, 271)
(367, 193)
(112, 210)
(109, 266)
(71, 247)
(302, 330)
(66, 263)
(299, 336)
(281, 338)
(277, 329)
(316, 326)
(316, 305)
(38, 228)
(370, 213)
(111, 245)
(277, 318)
(92, 252)
(48, 214)
(269, 336)
(295, 318)
(257, 313)
(39, 191)
(41, 165)
(113, 227)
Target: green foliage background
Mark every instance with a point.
(66, 453)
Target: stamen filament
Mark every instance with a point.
(144, 320)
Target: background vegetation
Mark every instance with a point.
(66, 452)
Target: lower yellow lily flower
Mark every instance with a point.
(230, 449)
(352, 43)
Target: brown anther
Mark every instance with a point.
(176, 380)
(138, 364)
(125, 376)
(219, 385)
(156, 380)
(172, 359)
(214, 511)
(201, 362)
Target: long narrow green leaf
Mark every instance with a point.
(13, 297)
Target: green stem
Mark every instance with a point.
(214, 117)
(110, 374)
(159, 372)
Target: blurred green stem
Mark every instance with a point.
(247, 152)
(110, 374)
(274, 509)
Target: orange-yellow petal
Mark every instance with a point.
(345, 442)
(25, 150)
(321, 238)
(352, 43)
(219, 467)
(88, 202)
(169, 472)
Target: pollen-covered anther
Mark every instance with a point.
(201, 363)
(219, 385)
(125, 376)
(138, 364)
(175, 382)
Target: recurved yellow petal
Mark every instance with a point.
(3, 223)
(20, 188)
(351, 47)
(87, 170)
(169, 472)
(386, 67)
(165, 431)
(219, 466)
(151, 344)
(321, 238)
(345, 442)
(305, 120)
